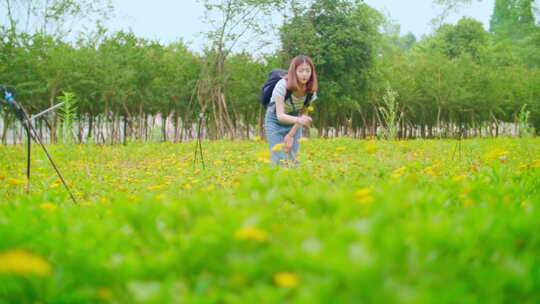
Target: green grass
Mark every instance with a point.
(358, 222)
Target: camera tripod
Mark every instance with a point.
(198, 144)
(7, 97)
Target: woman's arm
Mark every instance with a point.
(289, 138)
(280, 112)
(297, 125)
(285, 118)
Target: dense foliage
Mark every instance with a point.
(461, 76)
(424, 221)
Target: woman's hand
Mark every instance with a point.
(288, 143)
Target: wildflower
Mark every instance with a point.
(459, 178)
(48, 206)
(432, 170)
(104, 293)
(15, 181)
(340, 148)
(363, 196)
(277, 147)
(363, 192)
(286, 279)
(398, 172)
(160, 196)
(468, 202)
(251, 233)
(370, 147)
(122, 188)
(310, 109)
(21, 262)
(366, 200)
(155, 187)
(133, 198)
(496, 154)
(256, 138)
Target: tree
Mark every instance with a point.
(466, 37)
(56, 18)
(233, 21)
(512, 19)
(342, 38)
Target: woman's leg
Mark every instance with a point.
(274, 135)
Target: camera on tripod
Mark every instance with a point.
(7, 97)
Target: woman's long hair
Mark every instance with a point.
(292, 81)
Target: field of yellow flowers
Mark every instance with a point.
(359, 221)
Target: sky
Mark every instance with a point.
(170, 20)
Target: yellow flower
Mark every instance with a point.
(48, 206)
(370, 147)
(303, 139)
(398, 172)
(160, 196)
(15, 181)
(467, 202)
(251, 233)
(21, 262)
(363, 192)
(432, 170)
(363, 196)
(366, 200)
(257, 138)
(459, 178)
(496, 153)
(133, 198)
(310, 109)
(340, 148)
(155, 187)
(104, 293)
(286, 279)
(122, 188)
(277, 147)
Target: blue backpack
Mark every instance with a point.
(268, 87)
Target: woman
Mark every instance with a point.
(285, 118)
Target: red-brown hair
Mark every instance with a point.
(292, 80)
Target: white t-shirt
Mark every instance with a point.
(281, 90)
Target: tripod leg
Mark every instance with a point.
(198, 145)
(38, 139)
(202, 157)
(28, 158)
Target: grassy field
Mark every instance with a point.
(360, 221)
